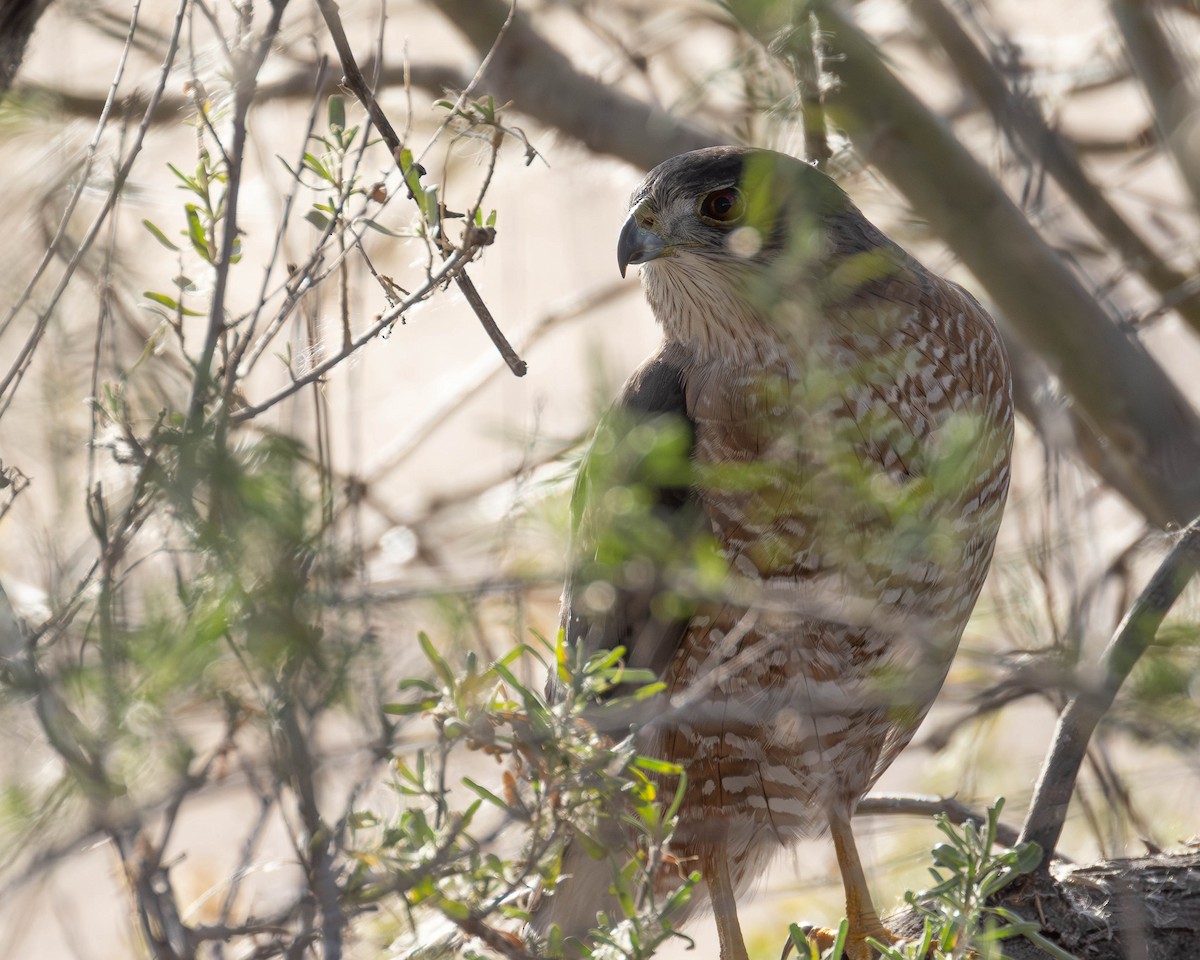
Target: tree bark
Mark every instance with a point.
(1141, 908)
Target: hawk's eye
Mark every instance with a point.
(723, 206)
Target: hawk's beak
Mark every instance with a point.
(637, 244)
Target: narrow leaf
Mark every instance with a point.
(159, 235)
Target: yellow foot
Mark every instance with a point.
(855, 948)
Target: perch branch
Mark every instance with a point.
(1083, 712)
(916, 805)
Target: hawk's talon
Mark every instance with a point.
(856, 947)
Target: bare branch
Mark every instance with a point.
(243, 99)
(357, 84)
(1056, 784)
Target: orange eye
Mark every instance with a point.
(723, 206)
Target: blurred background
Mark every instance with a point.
(253, 442)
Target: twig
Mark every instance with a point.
(233, 372)
(357, 84)
(399, 449)
(243, 98)
(515, 363)
(105, 110)
(1083, 712)
(448, 270)
(25, 354)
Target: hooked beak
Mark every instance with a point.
(637, 244)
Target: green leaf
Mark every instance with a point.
(436, 659)
(337, 112)
(375, 225)
(484, 792)
(187, 182)
(317, 219)
(162, 298)
(664, 767)
(170, 303)
(454, 909)
(410, 683)
(317, 167)
(408, 709)
(1029, 857)
(159, 235)
(196, 232)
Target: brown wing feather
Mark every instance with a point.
(628, 614)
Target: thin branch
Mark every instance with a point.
(806, 64)
(243, 99)
(448, 271)
(515, 363)
(1083, 712)
(399, 449)
(357, 84)
(105, 109)
(246, 335)
(298, 84)
(25, 355)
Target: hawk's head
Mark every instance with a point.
(724, 232)
(726, 202)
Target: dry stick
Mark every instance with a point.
(1018, 115)
(1083, 712)
(357, 84)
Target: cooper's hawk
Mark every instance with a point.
(847, 424)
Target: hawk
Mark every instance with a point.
(844, 420)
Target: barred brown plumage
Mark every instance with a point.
(850, 418)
